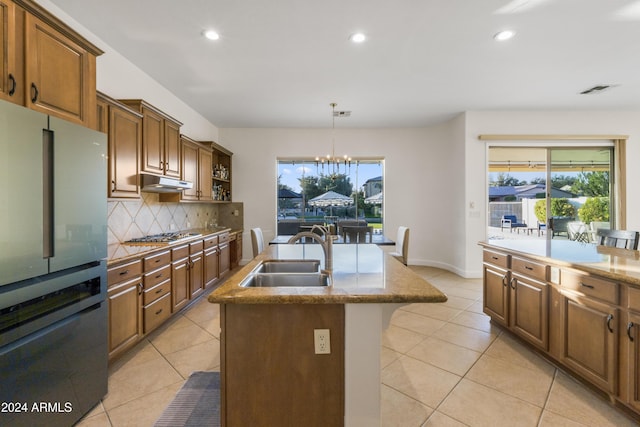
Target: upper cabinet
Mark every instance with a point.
(124, 129)
(160, 140)
(11, 52)
(221, 179)
(196, 167)
(45, 65)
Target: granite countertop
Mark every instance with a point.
(362, 273)
(616, 264)
(122, 252)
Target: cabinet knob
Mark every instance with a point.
(12, 80)
(34, 93)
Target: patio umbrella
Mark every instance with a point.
(376, 199)
(286, 194)
(331, 198)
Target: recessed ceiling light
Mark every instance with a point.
(211, 35)
(504, 35)
(357, 37)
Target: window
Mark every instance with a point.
(313, 191)
(553, 192)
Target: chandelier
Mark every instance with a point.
(333, 163)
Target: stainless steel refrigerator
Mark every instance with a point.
(53, 233)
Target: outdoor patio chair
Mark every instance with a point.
(511, 222)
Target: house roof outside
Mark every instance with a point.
(529, 191)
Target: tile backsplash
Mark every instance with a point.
(137, 218)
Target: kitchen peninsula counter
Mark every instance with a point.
(611, 263)
(362, 273)
(271, 371)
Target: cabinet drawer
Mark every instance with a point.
(124, 272)
(634, 298)
(196, 247)
(496, 258)
(153, 278)
(157, 312)
(210, 242)
(592, 286)
(529, 268)
(158, 260)
(158, 291)
(224, 237)
(180, 252)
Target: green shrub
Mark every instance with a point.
(594, 209)
(559, 207)
(510, 198)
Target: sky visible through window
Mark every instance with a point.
(359, 172)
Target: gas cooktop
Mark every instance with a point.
(162, 238)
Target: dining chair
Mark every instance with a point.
(356, 234)
(402, 245)
(257, 241)
(624, 239)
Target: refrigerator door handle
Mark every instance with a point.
(47, 184)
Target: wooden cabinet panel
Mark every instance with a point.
(172, 148)
(295, 385)
(60, 73)
(589, 285)
(196, 267)
(125, 320)
(157, 260)
(160, 275)
(225, 259)
(495, 258)
(529, 305)
(529, 268)
(633, 377)
(152, 142)
(496, 294)
(156, 313)
(11, 52)
(589, 339)
(151, 294)
(179, 284)
(211, 259)
(125, 140)
(124, 272)
(190, 168)
(204, 174)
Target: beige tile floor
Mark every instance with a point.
(442, 365)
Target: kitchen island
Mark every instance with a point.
(271, 374)
(578, 304)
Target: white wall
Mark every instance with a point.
(419, 168)
(540, 122)
(121, 79)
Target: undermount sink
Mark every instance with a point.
(288, 266)
(286, 279)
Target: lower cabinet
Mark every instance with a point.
(589, 341)
(528, 316)
(211, 270)
(124, 296)
(633, 379)
(196, 268)
(179, 277)
(496, 294)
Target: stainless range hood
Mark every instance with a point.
(163, 184)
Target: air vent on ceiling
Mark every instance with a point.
(342, 114)
(596, 89)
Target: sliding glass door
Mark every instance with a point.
(550, 192)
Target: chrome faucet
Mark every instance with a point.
(326, 243)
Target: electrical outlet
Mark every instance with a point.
(322, 340)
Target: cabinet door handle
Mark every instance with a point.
(512, 283)
(139, 288)
(528, 268)
(505, 282)
(609, 319)
(34, 92)
(113, 185)
(586, 286)
(158, 291)
(495, 258)
(158, 312)
(122, 273)
(159, 276)
(629, 326)
(12, 80)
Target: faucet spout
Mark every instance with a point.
(326, 244)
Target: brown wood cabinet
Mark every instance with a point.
(156, 298)
(179, 277)
(296, 386)
(516, 296)
(196, 268)
(211, 261)
(632, 380)
(160, 139)
(11, 52)
(221, 181)
(124, 129)
(45, 65)
(124, 295)
(235, 249)
(196, 167)
(225, 254)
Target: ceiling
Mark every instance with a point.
(281, 63)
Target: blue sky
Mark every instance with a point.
(289, 174)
